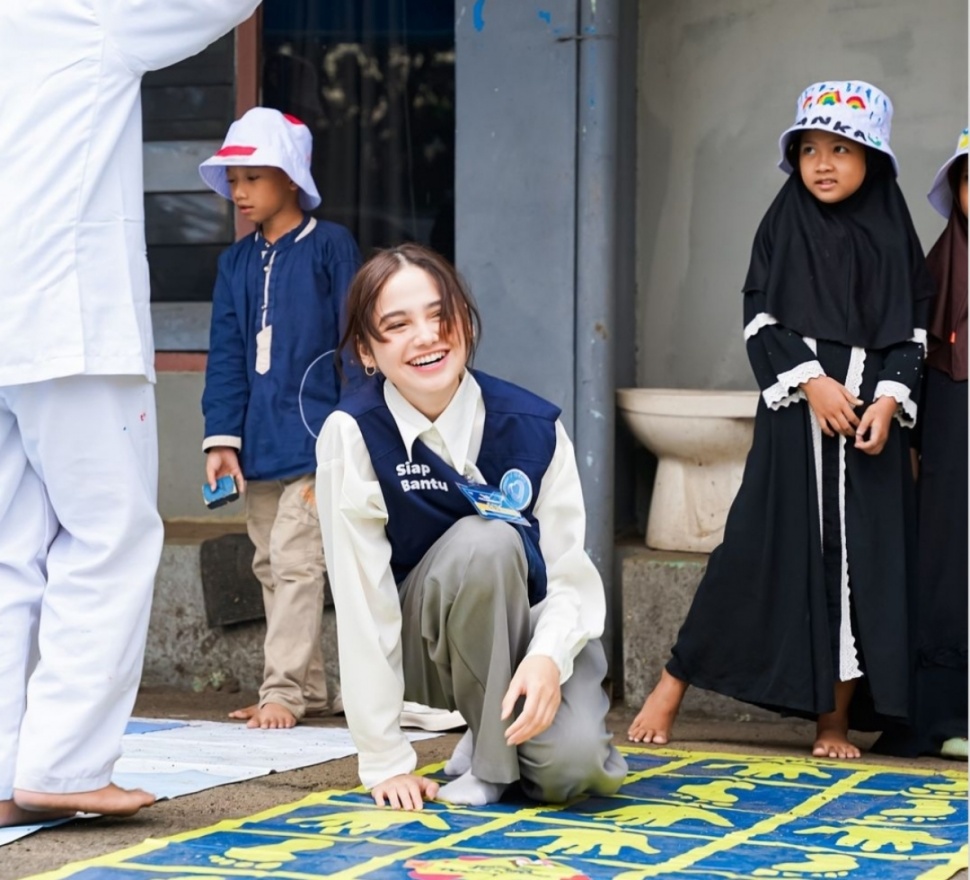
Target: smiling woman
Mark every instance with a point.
(417, 344)
(454, 528)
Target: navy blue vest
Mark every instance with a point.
(421, 495)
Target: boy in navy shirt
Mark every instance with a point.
(271, 380)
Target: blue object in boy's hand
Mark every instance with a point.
(224, 492)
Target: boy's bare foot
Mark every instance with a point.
(11, 814)
(108, 801)
(245, 713)
(656, 719)
(831, 742)
(272, 716)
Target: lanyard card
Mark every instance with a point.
(491, 503)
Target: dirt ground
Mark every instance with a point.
(86, 839)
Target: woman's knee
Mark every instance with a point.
(488, 553)
(486, 538)
(576, 764)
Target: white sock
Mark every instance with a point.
(471, 791)
(460, 761)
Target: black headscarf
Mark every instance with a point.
(847, 272)
(947, 263)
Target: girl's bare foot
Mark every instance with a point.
(832, 728)
(245, 713)
(831, 742)
(11, 814)
(655, 720)
(108, 801)
(272, 716)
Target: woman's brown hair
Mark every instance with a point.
(458, 309)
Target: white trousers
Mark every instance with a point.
(80, 540)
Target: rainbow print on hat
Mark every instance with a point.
(854, 109)
(940, 194)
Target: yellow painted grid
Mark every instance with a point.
(684, 827)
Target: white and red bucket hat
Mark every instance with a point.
(940, 194)
(263, 136)
(855, 109)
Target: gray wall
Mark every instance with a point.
(181, 464)
(515, 188)
(717, 85)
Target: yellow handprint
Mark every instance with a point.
(922, 810)
(715, 793)
(578, 842)
(869, 838)
(269, 855)
(663, 815)
(360, 822)
(770, 769)
(817, 865)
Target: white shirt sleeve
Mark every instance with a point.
(574, 610)
(151, 34)
(352, 517)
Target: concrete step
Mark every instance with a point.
(183, 649)
(657, 588)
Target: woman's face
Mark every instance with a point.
(424, 362)
(832, 167)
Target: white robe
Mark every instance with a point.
(74, 280)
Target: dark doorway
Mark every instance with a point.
(375, 82)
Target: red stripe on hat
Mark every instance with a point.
(290, 118)
(236, 151)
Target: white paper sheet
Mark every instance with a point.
(173, 758)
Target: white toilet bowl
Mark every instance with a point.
(701, 439)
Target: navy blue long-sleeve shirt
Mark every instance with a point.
(271, 411)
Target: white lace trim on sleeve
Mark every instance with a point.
(762, 319)
(786, 391)
(906, 411)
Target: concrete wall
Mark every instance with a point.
(515, 188)
(181, 464)
(718, 83)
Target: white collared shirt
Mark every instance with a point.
(353, 514)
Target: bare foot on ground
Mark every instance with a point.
(832, 742)
(108, 801)
(832, 728)
(655, 720)
(11, 814)
(272, 716)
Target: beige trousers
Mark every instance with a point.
(282, 521)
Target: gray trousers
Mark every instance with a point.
(465, 629)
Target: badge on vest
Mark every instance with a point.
(517, 487)
(492, 503)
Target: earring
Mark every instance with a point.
(370, 370)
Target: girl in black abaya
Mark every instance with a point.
(804, 607)
(939, 723)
